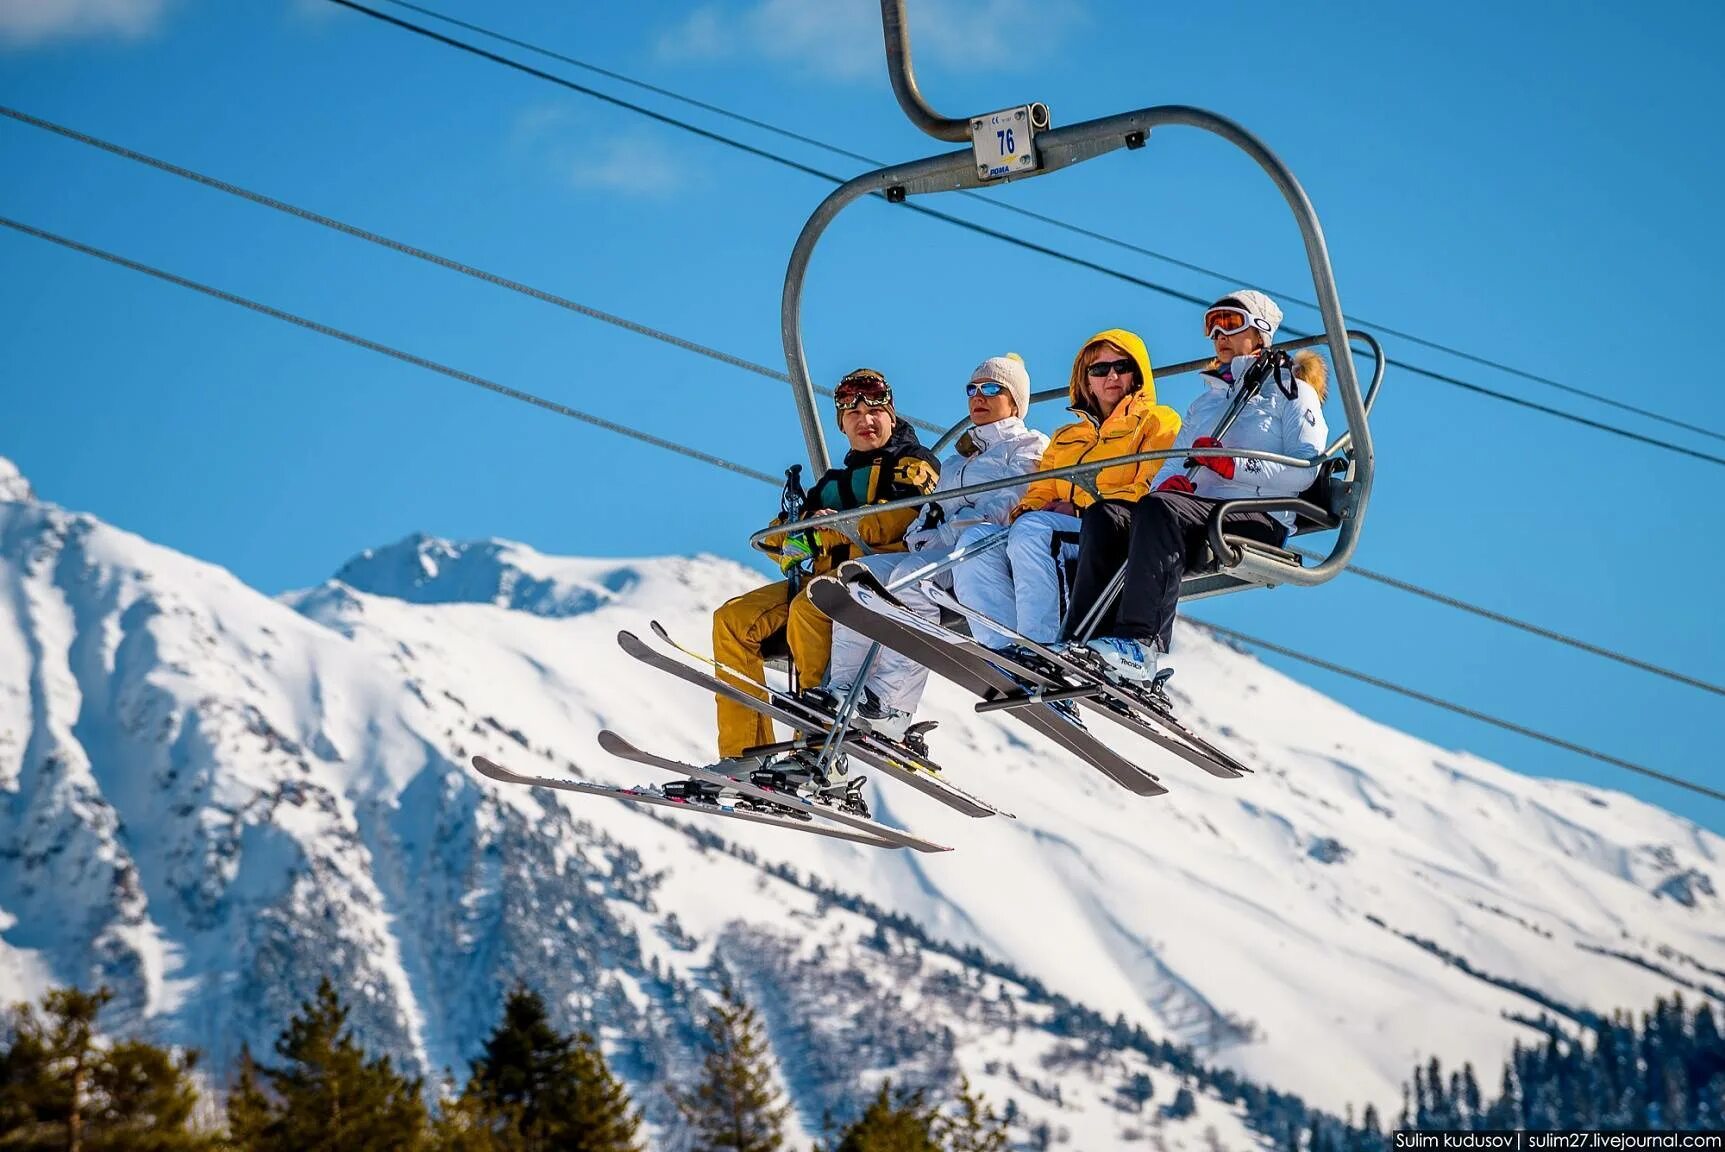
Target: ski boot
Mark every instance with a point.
(871, 716)
(1127, 663)
(894, 725)
(799, 773)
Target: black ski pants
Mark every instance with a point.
(1159, 538)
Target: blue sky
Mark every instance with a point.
(1533, 182)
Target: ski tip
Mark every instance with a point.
(659, 630)
(487, 767)
(613, 743)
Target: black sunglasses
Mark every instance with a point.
(1102, 368)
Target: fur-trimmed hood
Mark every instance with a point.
(1314, 370)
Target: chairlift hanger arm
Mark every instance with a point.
(903, 76)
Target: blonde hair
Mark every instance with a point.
(1078, 385)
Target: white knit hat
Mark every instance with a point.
(1010, 372)
(1262, 311)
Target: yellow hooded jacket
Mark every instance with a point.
(1137, 424)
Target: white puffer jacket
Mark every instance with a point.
(1286, 416)
(1004, 448)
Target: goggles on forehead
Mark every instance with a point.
(1226, 321)
(862, 388)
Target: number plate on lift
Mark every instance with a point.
(1004, 143)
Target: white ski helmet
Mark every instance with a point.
(1259, 308)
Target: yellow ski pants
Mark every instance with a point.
(740, 626)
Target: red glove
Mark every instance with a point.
(1223, 466)
(1176, 483)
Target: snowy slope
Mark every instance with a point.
(209, 798)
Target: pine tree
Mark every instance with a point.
(62, 1089)
(248, 1108)
(30, 1095)
(905, 1125)
(1183, 1106)
(1371, 1129)
(143, 1098)
(464, 1124)
(971, 1125)
(735, 1107)
(329, 1095)
(605, 1118)
(1510, 1111)
(71, 1038)
(546, 1091)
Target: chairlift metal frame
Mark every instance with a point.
(1056, 148)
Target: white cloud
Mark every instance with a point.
(26, 23)
(635, 164)
(565, 141)
(841, 39)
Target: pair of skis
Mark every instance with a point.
(728, 796)
(1025, 688)
(731, 793)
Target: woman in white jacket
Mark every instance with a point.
(997, 446)
(1163, 534)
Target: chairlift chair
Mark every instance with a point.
(1020, 144)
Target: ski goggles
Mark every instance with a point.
(1231, 322)
(984, 388)
(862, 388)
(1101, 369)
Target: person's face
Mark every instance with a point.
(866, 427)
(1243, 341)
(986, 409)
(1108, 387)
(1239, 344)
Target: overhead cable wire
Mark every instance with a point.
(1055, 221)
(771, 481)
(1463, 710)
(398, 354)
(727, 358)
(417, 253)
(1532, 629)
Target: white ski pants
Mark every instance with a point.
(896, 680)
(1023, 584)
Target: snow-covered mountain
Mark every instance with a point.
(210, 798)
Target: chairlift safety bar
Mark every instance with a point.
(1085, 470)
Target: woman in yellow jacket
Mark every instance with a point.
(1025, 583)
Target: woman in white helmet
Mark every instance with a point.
(1162, 535)
(997, 446)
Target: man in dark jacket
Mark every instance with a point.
(885, 462)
